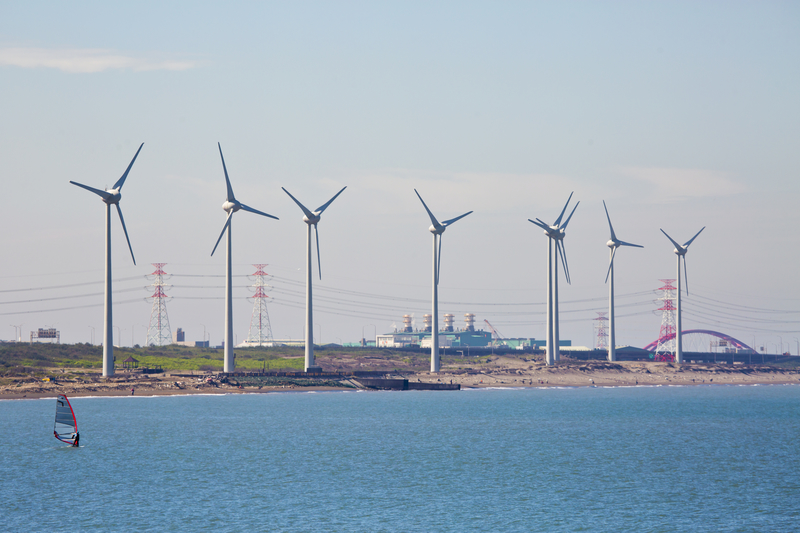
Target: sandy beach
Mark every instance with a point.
(499, 372)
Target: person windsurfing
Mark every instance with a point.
(66, 425)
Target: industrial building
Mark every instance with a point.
(450, 337)
(422, 339)
(523, 343)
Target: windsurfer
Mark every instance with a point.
(77, 438)
(65, 423)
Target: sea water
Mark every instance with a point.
(705, 458)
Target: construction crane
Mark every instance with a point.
(496, 333)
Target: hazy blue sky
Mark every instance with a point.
(678, 115)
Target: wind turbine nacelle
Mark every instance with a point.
(436, 231)
(114, 198)
(611, 244)
(313, 220)
(230, 206)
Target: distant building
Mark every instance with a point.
(460, 339)
(523, 343)
(179, 336)
(447, 339)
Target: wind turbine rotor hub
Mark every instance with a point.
(611, 244)
(436, 231)
(553, 232)
(230, 206)
(115, 197)
(312, 220)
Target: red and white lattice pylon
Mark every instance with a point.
(665, 350)
(601, 331)
(158, 333)
(260, 330)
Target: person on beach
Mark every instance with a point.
(131, 391)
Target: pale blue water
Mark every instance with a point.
(589, 459)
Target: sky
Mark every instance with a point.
(680, 115)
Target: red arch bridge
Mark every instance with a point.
(705, 340)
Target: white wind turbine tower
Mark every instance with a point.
(111, 197)
(437, 229)
(555, 232)
(311, 218)
(230, 206)
(680, 251)
(613, 243)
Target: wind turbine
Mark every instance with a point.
(555, 233)
(230, 206)
(311, 218)
(680, 251)
(613, 243)
(437, 229)
(111, 197)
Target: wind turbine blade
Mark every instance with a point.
(685, 275)
(433, 218)
(439, 259)
(324, 206)
(120, 182)
(256, 211)
(102, 194)
(121, 219)
(677, 246)
(570, 216)
(319, 262)
(539, 223)
(693, 238)
(611, 262)
(613, 236)
(230, 196)
(227, 223)
(306, 212)
(558, 220)
(623, 243)
(562, 251)
(448, 222)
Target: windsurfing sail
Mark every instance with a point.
(66, 426)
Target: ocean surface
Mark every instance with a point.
(715, 458)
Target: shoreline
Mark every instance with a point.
(305, 390)
(500, 372)
(167, 386)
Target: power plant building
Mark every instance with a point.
(447, 339)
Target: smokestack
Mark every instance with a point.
(407, 328)
(469, 318)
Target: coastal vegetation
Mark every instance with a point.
(81, 365)
(27, 358)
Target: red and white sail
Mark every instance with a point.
(66, 426)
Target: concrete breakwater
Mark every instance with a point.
(404, 384)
